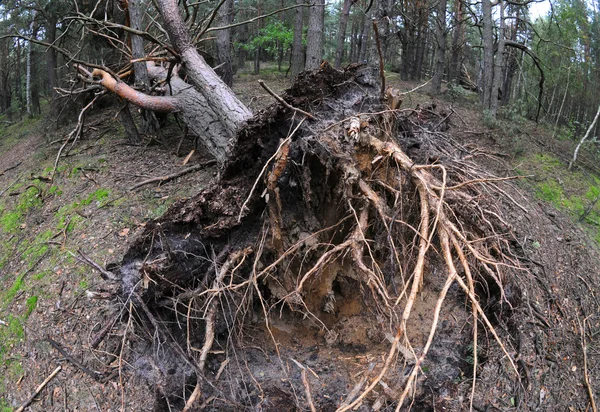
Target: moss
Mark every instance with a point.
(10, 221)
(30, 304)
(550, 191)
(10, 294)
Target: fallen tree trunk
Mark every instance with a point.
(359, 214)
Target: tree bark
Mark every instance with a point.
(488, 55)
(51, 62)
(297, 54)
(365, 34)
(498, 65)
(454, 70)
(228, 109)
(4, 76)
(149, 121)
(341, 37)
(587, 133)
(440, 53)
(314, 38)
(225, 18)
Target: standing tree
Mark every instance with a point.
(315, 35)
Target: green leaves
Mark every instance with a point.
(271, 38)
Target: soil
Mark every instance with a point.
(342, 339)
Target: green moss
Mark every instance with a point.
(550, 191)
(10, 294)
(42, 274)
(83, 284)
(10, 221)
(31, 303)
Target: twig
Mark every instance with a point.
(307, 391)
(95, 375)
(381, 63)
(283, 102)
(585, 370)
(75, 133)
(82, 257)
(10, 168)
(9, 186)
(172, 176)
(39, 389)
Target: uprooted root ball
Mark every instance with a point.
(318, 270)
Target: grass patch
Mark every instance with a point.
(571, 192)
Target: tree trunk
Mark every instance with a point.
(314, 37)
(488, 55)
(51, 62)
(454, 70)
(587, 133)
(341, 37)
(33, 34)
(209, 108)
(297, 55)
(440, 53)
(18, 89)
(498, 65)
(4, 76)
(365, 34)
(225, 17)
(149, 121)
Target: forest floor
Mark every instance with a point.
(49, 299)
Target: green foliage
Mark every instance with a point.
(489, 121)
(271, 37)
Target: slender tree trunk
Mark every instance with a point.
(587, 133)
(297, 54)
(365, 35)
(341, 37)
(18, 89)
(51, 63)
(440, 53)
(315, 36)
(454, 70)
(149, 122)
(488, 55)
(4, 76)
(498, 65)
(225, 17)
(242, 34)
(33, 32)
(257, 52)
(562, 103)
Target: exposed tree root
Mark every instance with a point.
(337, 204)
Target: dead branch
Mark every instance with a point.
(83, 258)
(93, 374)
(585, 368)
(381, 62)
(39, 389)
(283, 102)
(10, 168)
(163, 179)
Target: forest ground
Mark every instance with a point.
(88, 206)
